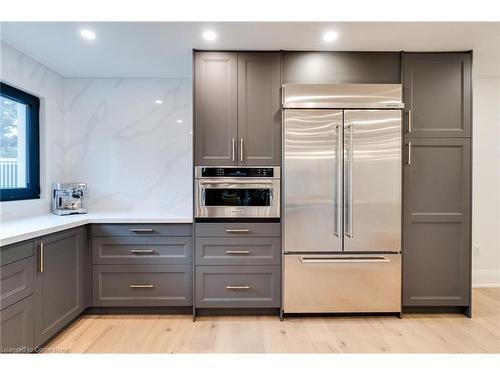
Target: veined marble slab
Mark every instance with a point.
(22, 229)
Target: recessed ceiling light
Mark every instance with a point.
(209, 35)
(179, 121)
(158, 101)
(87, 34)
(330, 36)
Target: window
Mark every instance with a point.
(19, 144)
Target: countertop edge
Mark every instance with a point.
(53, 228)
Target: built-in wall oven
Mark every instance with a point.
(237, 192)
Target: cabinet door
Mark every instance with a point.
(259, 115)
(215, 108)
(436, 252)
(16, 327)
(437, 94)
(59, 281)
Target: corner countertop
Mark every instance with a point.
(21, 229)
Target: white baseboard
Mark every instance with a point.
(489, 278)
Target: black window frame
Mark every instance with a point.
(32, 189)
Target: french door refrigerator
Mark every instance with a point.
(342, 198)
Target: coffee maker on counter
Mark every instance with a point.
(69, 198)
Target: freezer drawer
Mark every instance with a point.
(342, 283)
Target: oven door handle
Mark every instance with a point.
(225, 182)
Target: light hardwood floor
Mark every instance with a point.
(415, 333)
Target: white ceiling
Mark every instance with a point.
(163, 49)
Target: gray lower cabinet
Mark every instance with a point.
(238, 286)
(238, 265)
(140, 230)
(237, 230)
(437, 198)
(238, 251)
(437, 94)
(16, 327)
(59, 281)
(142, 285)
(259, 108)
(147, 250)
(16, 282)
(142, 265)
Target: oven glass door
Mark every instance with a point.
(250, 197)
(237, 198)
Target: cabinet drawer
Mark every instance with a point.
(238, 251)
(15, 252)
(238, 286)
(149, 285)
(16, 327)
(147, 250)
(141, 230)
(16, 282)
(237, 229)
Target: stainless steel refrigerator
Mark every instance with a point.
(342, 198)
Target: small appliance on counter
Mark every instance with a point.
(69, 198)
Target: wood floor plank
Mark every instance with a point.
(415, 333)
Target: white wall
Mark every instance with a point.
(25, 73)
(486, 182)
(131, 151)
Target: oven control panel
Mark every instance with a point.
(236, 172)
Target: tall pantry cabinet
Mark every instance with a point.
(437, 181)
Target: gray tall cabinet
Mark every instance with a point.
(437, 181)
(237, 117)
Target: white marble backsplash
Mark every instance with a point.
(135, 154)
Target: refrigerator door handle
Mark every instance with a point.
(349, 219)
(338, 180)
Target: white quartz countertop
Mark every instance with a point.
(21, 229)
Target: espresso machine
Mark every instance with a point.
(69, 198)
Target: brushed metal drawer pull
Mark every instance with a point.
(238, 287)
(141, 286)
(141, 251)
(238, 252)
(141, 230)
(237, 230)
(41, 257)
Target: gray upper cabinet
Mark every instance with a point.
(341, 67)
(436, 256)
(259, 114)
(59, 281)
(215, 108)
(437, 94)
(237, 117)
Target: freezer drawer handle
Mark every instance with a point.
(238, 252)
(237, 230)
(238, 287)
(344, 260)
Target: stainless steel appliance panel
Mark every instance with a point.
(345, 95)
(312, 180)
(342, 283)
(372, 180)
(237, 192)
